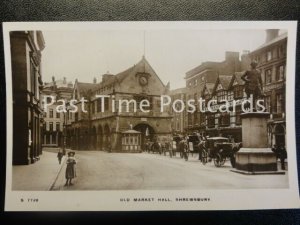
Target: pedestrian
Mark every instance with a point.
(70, 169)
(59, 156)
(282, 155)
(183, 148)
(201, 147)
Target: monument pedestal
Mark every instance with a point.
(255, 157)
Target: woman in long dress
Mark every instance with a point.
(70, 170)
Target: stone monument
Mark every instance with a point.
(255, 157)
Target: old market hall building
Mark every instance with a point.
(95, 129)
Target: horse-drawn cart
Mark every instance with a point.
(219, 149)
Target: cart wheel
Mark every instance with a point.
(223, 161)
(219, 160)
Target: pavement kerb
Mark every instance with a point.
(62, 165)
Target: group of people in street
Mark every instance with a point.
(182, 146)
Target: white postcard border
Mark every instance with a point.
(110, 200)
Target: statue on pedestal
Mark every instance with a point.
(253, 83)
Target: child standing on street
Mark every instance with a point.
(70, 170)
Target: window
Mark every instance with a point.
(280, 73)
(177, 126)
(281, 51)
(202, 119)
(57, 126)
(269, 56)
(76, 116)
(44, 126)
(211, 120)
(99, 102)
(257, 59)
(51, 126)
(138, 100)
(279, 103)
(51, 113)
(215, 99)
(76, 94)
(57, 115)
(48, 100)
(224, 119)
(178, 106)
(230, 95)
(219, 95)
(92, 107)
(106, 104)
(268, 76)
(196, 117)
(238, 92)
(268, 103)
(224, 95)
(190, 119)
(238, 116)
(206, 98)
(32, 77)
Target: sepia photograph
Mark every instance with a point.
(150, 115)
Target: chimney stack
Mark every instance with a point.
(106, 76)
(95, 80)
(271, 34)
(245, 60)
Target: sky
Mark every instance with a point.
(171, 53)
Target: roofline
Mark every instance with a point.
(197, 74)
(270, 43)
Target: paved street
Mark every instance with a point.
(38, 176)
(98, 170)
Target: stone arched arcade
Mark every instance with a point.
(105, 134)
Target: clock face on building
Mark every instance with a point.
(143, 80)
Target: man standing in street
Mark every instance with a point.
(59, 156)
(201, 147)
